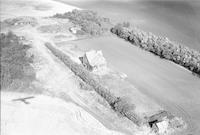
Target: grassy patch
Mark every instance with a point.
(54, 28)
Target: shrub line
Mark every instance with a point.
(160, 46)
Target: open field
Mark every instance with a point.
(52, 78)
(71, 110)
(173, 87)
(47, 115)
(65, 103)
(176, 19)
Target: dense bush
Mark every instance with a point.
(88, 20)
(15, 65)
(120, 105)
(161, 46)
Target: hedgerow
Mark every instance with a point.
(120, 105)
(160, 46)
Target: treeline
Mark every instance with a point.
(16, 70)
(160, 46)
(89, 21)
(120, 105)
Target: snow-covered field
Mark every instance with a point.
(45, 115)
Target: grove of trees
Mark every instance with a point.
(160, 46)
(16, 69)
(89, 21)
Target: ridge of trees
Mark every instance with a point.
(160, 46)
